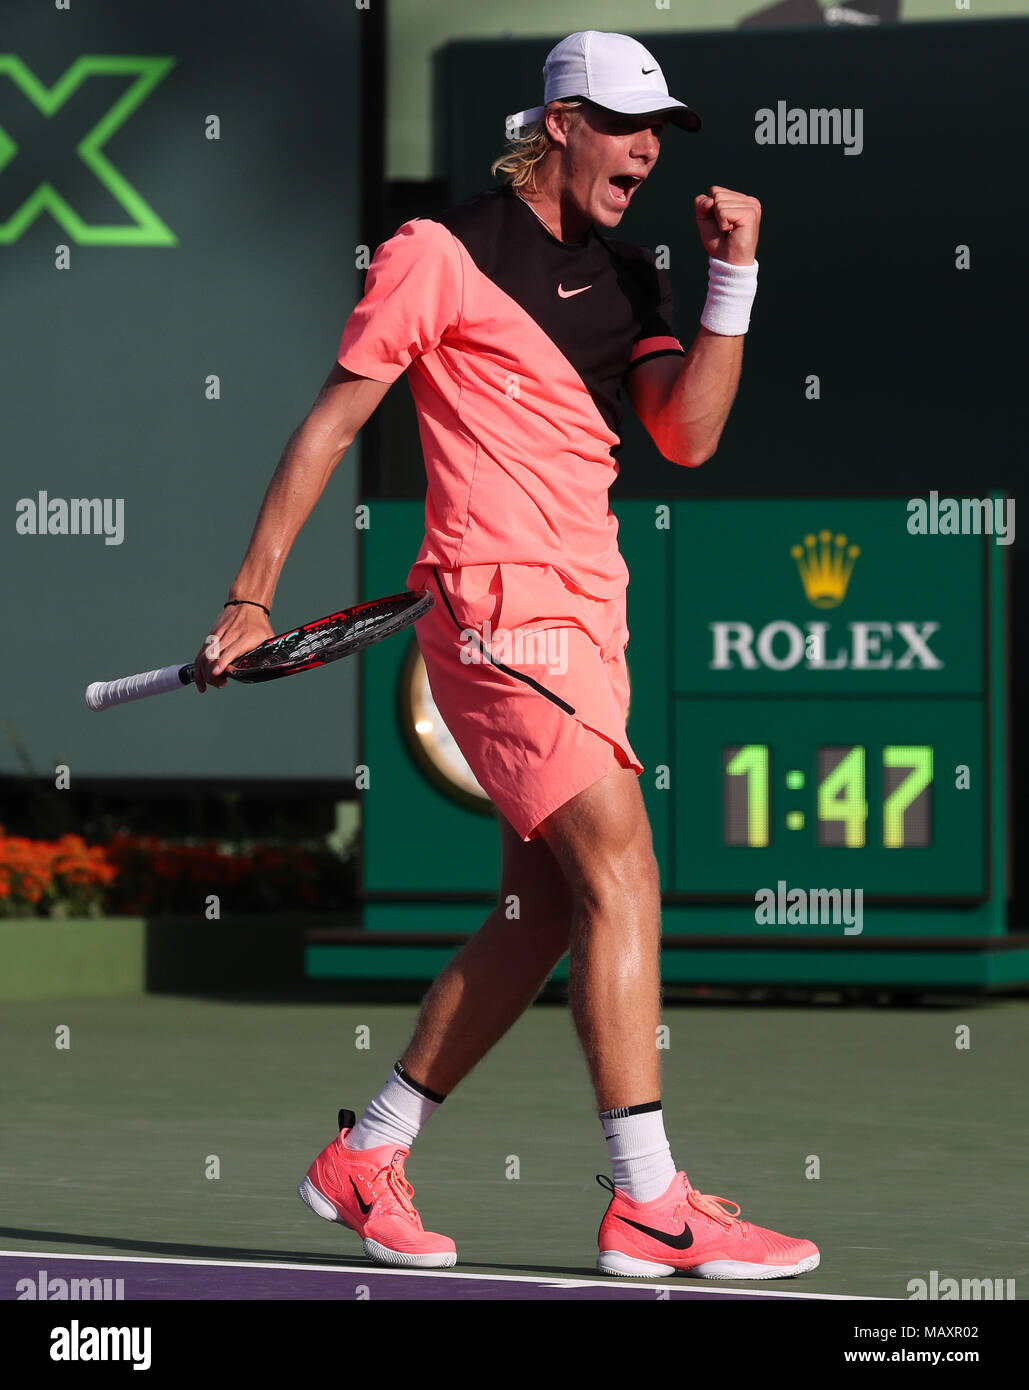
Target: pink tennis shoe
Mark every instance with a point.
(367, 1190)
(683, 1230)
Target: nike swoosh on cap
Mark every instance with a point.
(682, 1241)
(567, 294)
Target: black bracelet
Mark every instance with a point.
(234, 602)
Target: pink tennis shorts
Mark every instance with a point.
(529, 676)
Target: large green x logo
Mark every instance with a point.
(148, 229)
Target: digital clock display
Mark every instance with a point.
(836, 798)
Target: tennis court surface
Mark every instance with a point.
(163, 1146)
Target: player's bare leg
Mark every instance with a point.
(590, 882)
(358, 1180)
(495, 977)
(657, 1222)
(601, 839)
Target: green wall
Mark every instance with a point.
(103, 369)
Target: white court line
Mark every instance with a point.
(694, 1286)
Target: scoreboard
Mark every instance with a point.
(831, 701)
(818, 698)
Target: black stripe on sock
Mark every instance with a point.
(623, 1111)
(409, 1080)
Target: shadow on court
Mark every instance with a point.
(20, 1238)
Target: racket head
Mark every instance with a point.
(330, 638)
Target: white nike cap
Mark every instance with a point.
(612, 71)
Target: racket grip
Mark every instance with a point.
(103, 694)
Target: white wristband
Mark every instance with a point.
(730, 294)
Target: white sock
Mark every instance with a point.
(641, 1161)
(396, 1114)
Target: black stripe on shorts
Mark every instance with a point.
(518, 675)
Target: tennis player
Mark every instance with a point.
(518, 322)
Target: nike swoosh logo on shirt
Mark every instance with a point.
(647, 71)
(567, 294)
(682, 1241)
(365, 1206)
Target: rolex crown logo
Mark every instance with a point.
(825, 563)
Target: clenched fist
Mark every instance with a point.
(728, 224)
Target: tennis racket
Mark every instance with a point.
(314, 644)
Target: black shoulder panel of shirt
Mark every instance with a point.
(593, 299)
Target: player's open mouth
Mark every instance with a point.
(622, 187)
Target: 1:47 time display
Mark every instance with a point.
(841, 799)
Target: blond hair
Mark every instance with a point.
(524, 152)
